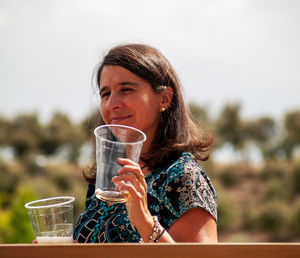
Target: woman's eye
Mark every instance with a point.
(127, 90)
(104, 94)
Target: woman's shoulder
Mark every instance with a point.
(182, 164)
(189, 173)
(186, 185)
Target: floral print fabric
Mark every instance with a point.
(171, 192)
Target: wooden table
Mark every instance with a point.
(222, 250)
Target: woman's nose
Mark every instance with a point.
(114, 101)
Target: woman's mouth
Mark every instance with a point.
(119, 119)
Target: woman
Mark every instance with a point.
(171, 197)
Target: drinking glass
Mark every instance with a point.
(113, 142)
(52, 219)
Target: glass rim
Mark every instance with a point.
(122, 126)
(71, 199)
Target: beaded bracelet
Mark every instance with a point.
(163, 231)
(156, 230)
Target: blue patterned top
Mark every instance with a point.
(171, 192)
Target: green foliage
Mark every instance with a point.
(230, 127)
(261, 130)
(273, 170)
(58, 180)
(296, 180)
(8, 180)
(296, 219)
(292, 128)
(24, 134)
(62, 182)
(252, 199)
(4, 226)
(225, 213)
(20, 229)
(249, 216)
(61, 176)
(292, 124)
(60, 132)
(230, 176)
(5, 128)
(56, 133)
(273, 217)
(90, 122)
(277, 190)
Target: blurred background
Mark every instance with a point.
(239, 63)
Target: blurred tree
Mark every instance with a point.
(296, 181)
(263, 132)
(226, 212)
(263, 190)
(292, 129)
(61, 133)
(24, 134)
(296, 218)
(90, 122)
(76, 140)
(199, 114)
(274, 217)
(5, 128)
(230, 176)
(273, 170)
(277, 190)
(230, 127)
(8, 184)
(9, 179)
(56, 133)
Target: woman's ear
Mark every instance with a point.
(167, 96)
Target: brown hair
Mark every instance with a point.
(176, 133)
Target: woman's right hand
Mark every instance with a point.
(136, 205)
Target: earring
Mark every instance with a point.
(163, 109)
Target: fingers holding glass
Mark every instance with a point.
(129, 180)
(132, 167)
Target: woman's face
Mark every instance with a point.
(127, 99)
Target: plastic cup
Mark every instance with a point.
(52, 219)
(113, 142)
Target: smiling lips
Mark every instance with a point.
(119, 119)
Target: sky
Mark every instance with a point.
(226, 51)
